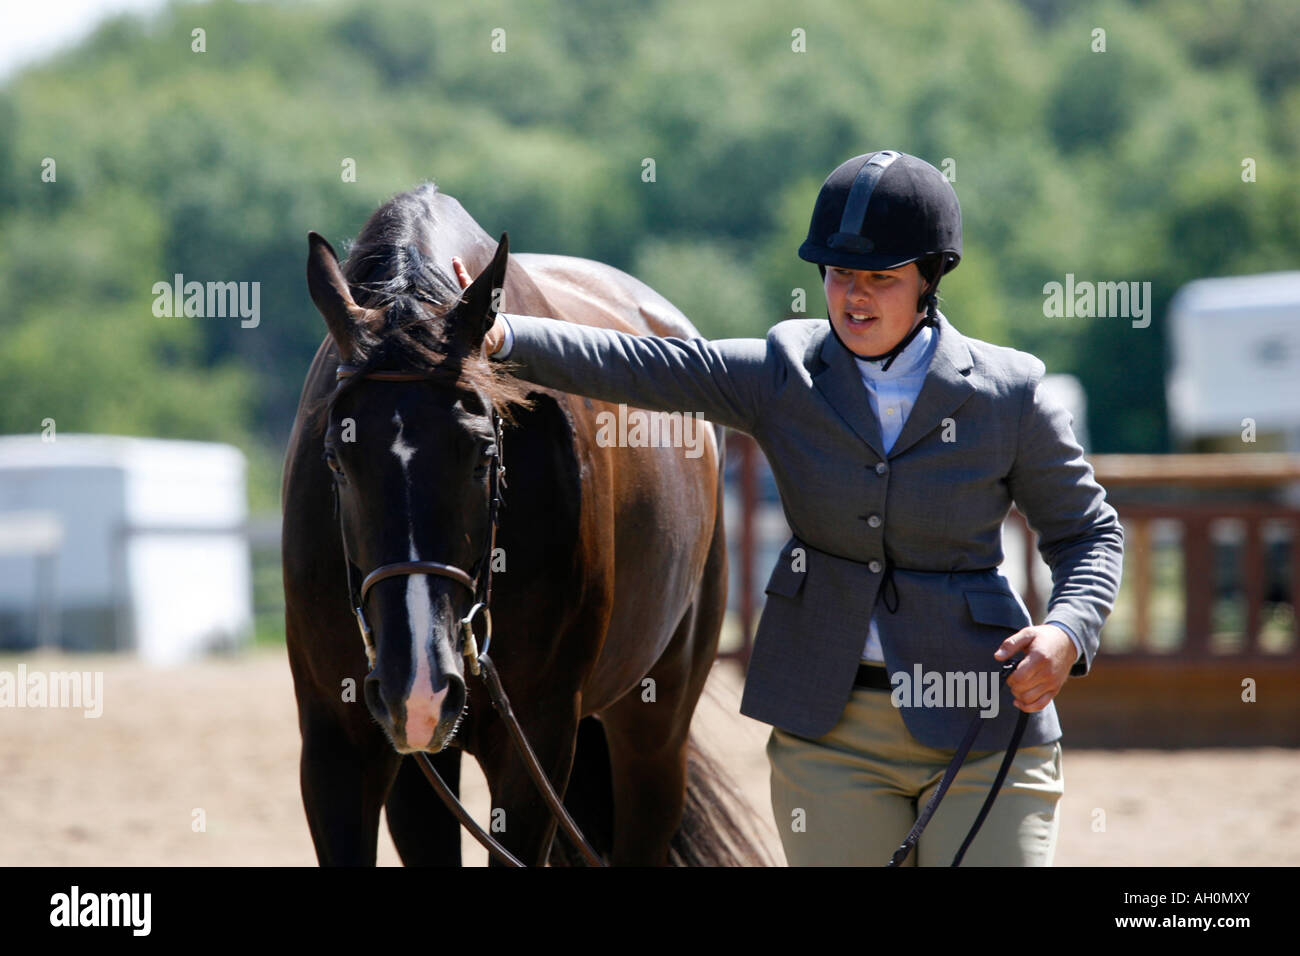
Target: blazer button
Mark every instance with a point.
(881, 468)
(874, 567)
(873, 521)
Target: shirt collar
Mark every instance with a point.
(913, 358)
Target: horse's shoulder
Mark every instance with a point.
(593, 293)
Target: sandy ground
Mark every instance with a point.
(222, 738)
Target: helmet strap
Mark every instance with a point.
(897, 349)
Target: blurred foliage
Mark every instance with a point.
(1115, 165)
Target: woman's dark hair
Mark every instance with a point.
(929, 267)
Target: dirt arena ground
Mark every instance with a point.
(223, 737)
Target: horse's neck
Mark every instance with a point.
(456, 233)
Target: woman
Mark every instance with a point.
(898, 446)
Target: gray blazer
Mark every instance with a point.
(981, 435)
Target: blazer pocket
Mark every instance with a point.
(785, 580)
(997, 609)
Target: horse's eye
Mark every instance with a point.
(485, 455)
(332, 460)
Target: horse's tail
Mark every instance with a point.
(717, 822)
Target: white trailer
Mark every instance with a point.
(117, 543)
(1235, 363)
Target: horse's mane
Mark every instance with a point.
(406, 298)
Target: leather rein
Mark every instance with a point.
(479, 584)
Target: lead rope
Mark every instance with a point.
(480, 662)
(481, 665)
(958, 759)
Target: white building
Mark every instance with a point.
(109, 542)
(1235, 345)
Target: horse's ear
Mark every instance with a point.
(329, 290)
(480, 303)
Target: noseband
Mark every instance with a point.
(479, 586)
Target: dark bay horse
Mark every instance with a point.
(609, 571)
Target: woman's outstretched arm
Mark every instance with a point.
(725, 380)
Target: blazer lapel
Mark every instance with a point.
(945, 388)
(841, 383)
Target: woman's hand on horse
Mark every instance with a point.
(496, 335)
(1049, 655)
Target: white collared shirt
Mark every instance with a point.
(893, 393)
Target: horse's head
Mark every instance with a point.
(412, 457)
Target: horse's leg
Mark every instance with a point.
(647, 741)
(343, 787)
(647, 752)
(520, 819)
(588, 798)
(423, 829)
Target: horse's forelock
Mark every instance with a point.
(407, 300)
(387, 258)
(421, 347)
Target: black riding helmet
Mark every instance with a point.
(883, 210)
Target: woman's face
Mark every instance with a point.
(872, 311)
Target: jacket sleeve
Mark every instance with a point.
(722, 379)
(1079, 532)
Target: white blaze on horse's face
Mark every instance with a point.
(423, 704)
(401, 449)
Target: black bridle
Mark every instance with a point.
(479, 584)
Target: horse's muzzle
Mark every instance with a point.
(419, 721)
